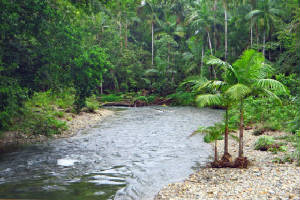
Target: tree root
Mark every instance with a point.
(226, 162)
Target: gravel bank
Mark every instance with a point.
(262, 180)
(11, 140)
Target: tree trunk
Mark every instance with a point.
(215, 27)
(126, 37)
(225, 19)
(209, 42)
(101, 84)
(120, 32)
(216, 150)
(241, 144)
(257, 36)
(226, 133)
(264, 44)
(202, 58)
(169, 55)
(152, 33)
(116, 84)
(211, 52)
(251, 32)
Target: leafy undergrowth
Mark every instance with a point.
(46, 113)
(130, 97)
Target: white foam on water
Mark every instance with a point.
(66, 162)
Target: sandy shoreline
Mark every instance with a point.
(264, 179)
(11, 139)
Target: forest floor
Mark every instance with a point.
(11, 140)
(264, 179)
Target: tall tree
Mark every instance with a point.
(266, 14)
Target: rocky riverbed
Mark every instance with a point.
(264, 179)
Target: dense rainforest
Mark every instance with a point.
(75, 52)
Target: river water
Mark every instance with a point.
(130, 155)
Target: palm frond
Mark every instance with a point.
(201, 129)
(151, 72)
(271, 95)
(208, 100)
(270, 84)
(238, 91)
(253, 13)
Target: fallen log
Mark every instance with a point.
(124, 104)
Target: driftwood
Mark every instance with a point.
(139, 103)
(125, 104)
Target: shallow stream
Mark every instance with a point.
(130, 155)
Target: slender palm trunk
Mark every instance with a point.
(264, 44)
(226, 133)
(120, 32)
(257, 35)
(126, 37)
(101, 84)
(209, 43)
(152, 33)
(226, 31)
(216, 150)
(211, 52)
(251, 32)
(202, 59)
(241, 143)
(169, 49)
(215, 26)
(116, 84)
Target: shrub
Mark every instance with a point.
(141, 98)
(59, 114)
(91, 107)
(12, 97)
(297, 154)
(183, 98)
(41, 124)
(110, 98)
(151, 98)
(263, 143)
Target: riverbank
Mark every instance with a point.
(264, 179)
(13, 139)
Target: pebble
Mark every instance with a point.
(262, 180)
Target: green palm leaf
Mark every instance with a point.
(270, 84)
(208, 100)
(238, 91)
(270, 94)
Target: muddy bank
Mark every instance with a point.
(264, 179)
(11, 140)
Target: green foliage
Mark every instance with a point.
(267, 113)
(287, 158)
(212, 133)
(276, 149)
(46, 101)
(263, 143)
(183, 98)
(106, 47)
(208, 138)
(297, 154)
(12, 97)
(41, 124)
(92, 104)
(110, 98)
(141, 98)
(267, 143)
(86, 74)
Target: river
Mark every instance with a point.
(129, 155)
